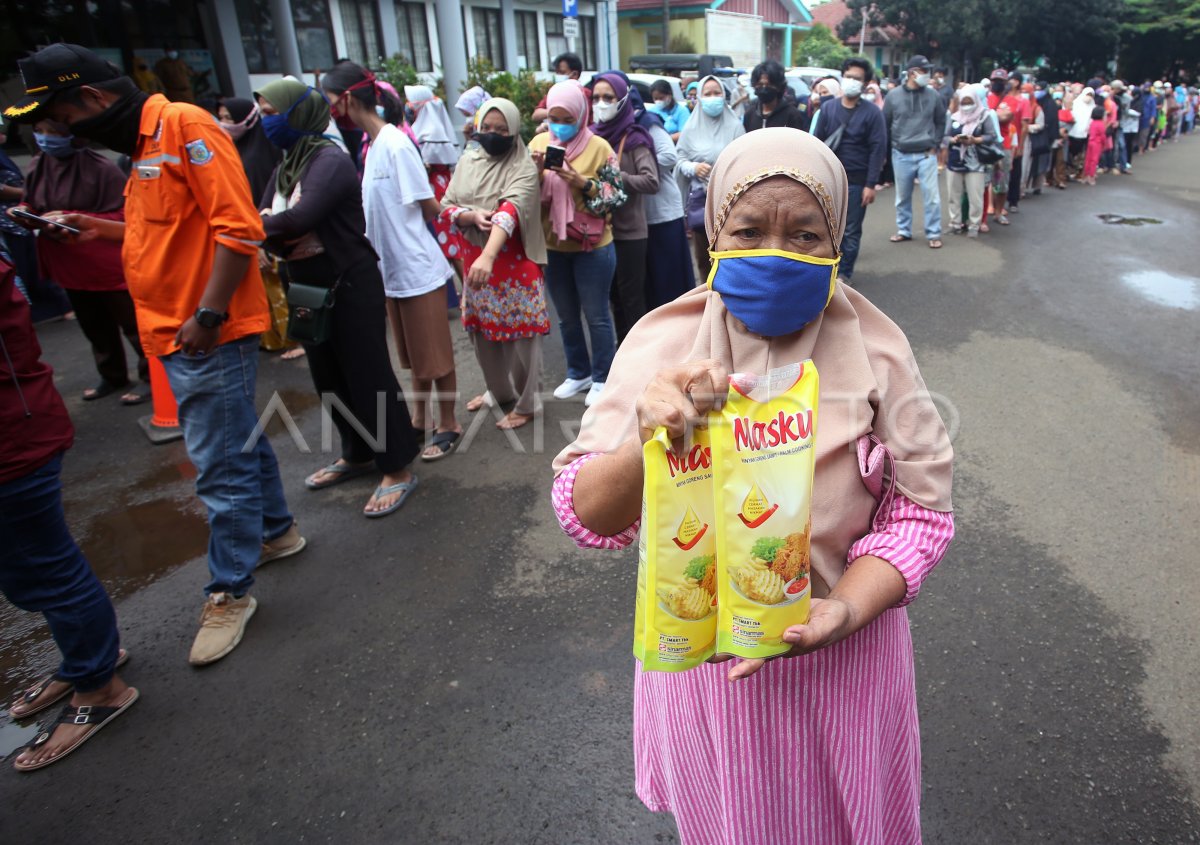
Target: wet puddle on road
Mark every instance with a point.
(130, 546)
(1122, 220)
(1165, 289)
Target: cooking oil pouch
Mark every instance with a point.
(675, 622)
(763, 450)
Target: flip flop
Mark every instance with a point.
(404, 488)
(30, 695)
(139, 395)
(341, 472)
(899, 239)
(100, 391)
(445, 442)
(95, 717)
(936, 243)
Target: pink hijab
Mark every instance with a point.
(870, 383)
(568, 95)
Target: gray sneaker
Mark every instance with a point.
(222, 623)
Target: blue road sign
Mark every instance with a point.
(570, 8)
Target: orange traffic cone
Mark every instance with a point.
(163, 425)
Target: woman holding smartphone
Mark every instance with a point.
(968, 127)
(580, 184)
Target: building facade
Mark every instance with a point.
(250, 42)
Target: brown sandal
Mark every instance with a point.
(36, 691)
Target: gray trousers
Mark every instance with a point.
(512, 371)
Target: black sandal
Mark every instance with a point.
(87, 714)
(445, 442)
(32, 694)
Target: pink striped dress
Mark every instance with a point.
(822, 749)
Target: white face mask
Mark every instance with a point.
(870, 98)
(852, 88)
(172, 54)
(561, 77)
(922, 80)
(605, 111)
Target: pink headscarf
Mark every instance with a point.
(570, 96)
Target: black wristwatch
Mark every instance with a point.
(209, 318)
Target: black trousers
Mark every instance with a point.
(354, 365)
(105, 315)
(629, 285)
(1014, 183)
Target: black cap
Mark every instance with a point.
(919, 62)
(53, 69)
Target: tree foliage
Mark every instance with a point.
(1073, 39)
(523, 88)
(820, 48)
(1160, 39)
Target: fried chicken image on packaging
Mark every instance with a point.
(709, 581)
(792, 559)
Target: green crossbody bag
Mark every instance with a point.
(310, 312)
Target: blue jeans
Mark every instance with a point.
(909, 167)
(855, 214)
(582, 281)
(238, 482)
(1122, 153)
(43, 571)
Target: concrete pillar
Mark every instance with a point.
(508, 35)
(236, 76)
(391, 31)
(285, 37)
(452, 41)
(787, 46)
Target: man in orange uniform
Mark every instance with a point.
(190, 233)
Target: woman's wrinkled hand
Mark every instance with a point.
(830, 621)
(678, 398)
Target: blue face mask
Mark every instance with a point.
(281, 133)
(713, 106)
(55, 145)
(564, 131)
(775, 293)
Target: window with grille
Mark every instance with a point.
(360, 23)
(314, 35)
(585, 44)
(528, 47)
(413, 29)
(488, 43)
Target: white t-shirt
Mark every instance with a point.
(394, 183)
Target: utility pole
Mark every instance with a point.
(666, 26)
(862, 35)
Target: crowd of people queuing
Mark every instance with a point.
(329, 213)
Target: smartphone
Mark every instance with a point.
(555, 156)
(33, 218)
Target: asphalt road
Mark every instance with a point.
(459, 673)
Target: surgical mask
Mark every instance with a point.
(606, 111)
(1039, 94)
(172, 54)
(922, 79)
(281, 133)
(59, 146)
(1058, 95)
(852, 88)
(561, 77)
(664, 105)
(493, 143)
(774, 293)
(870, 98)
(713, 106)
(564, 131)
(766, 94)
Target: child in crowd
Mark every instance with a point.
(1095, 146)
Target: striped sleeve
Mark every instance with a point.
(562, 496)
(913, 540)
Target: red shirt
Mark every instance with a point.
(33, 417)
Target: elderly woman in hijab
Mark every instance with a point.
(576, 200)
(313, 218)
(968, 128)
(826, 738)
(613, 103)
(494, 198)
(712, 127)
(69, 177)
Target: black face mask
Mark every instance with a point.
(999, 86)
(494, 144)
(825, 98)
(766, 94)
(117, 126)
